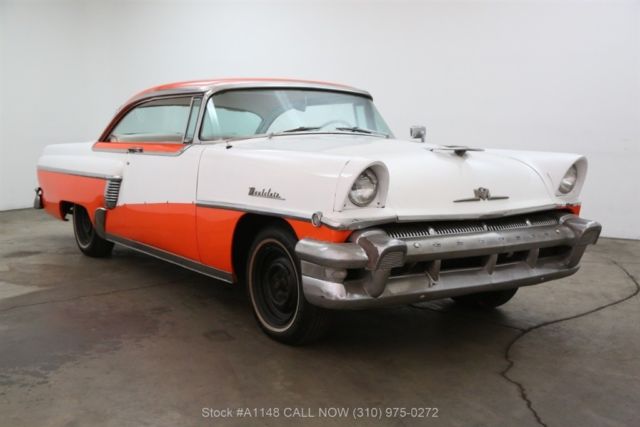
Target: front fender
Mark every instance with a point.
(295, 185)
(552, 169)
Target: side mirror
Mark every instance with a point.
(418, 132)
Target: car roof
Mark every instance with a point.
(216, 85)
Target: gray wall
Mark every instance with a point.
(558, 76)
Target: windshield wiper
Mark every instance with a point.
(357, 129)
(301, 129)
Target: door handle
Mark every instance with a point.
(135, 150)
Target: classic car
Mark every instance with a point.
(300, 191)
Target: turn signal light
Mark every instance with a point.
(574, 208)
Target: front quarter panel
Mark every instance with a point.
(293, 185)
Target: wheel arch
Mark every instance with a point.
(66, 208)
(246, 228)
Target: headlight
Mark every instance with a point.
(364, 189)
(569, 180)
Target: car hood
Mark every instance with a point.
(426, 181)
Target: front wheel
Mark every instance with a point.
(275, 289)
(86, 237)
(490, 299)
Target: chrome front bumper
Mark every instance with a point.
(376, 269)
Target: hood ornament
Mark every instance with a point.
(458, 150)
(481, 193)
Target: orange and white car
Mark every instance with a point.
(300, 190)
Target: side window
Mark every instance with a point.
(169, 120)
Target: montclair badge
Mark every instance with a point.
(267, 194)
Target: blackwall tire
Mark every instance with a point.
(486, 299)
(87, 239)
(274, 285)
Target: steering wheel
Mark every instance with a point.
(336, 121)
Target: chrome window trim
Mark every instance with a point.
(208, 90)
(143, 153)
(215, 87)
(210, 94)
(122, 112)
(186, 128)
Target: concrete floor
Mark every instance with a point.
(131, 341)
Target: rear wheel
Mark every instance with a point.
(275, 289)
(486, 299)
(86, 237)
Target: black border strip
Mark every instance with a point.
(172, 258)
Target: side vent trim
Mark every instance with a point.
(111, 192)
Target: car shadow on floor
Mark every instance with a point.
(170, 294)
(425, 323)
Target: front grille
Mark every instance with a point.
(442, 228)
(555, 252)
(472, 262)
(483, 262)
(111, 192)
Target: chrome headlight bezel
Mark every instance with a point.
(361, 196)
(569, 180)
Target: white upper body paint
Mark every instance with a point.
(314, 173)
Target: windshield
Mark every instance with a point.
(244, 113)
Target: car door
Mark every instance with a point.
(156, 202)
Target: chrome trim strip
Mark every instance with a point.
(172, 258)
(142, 153)
(251, 209)
(478, 199)
(497, 214)
(76, 173)
(338, 255)
(487, 243)
(356, 223)
(112, 192)
(419, 288)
